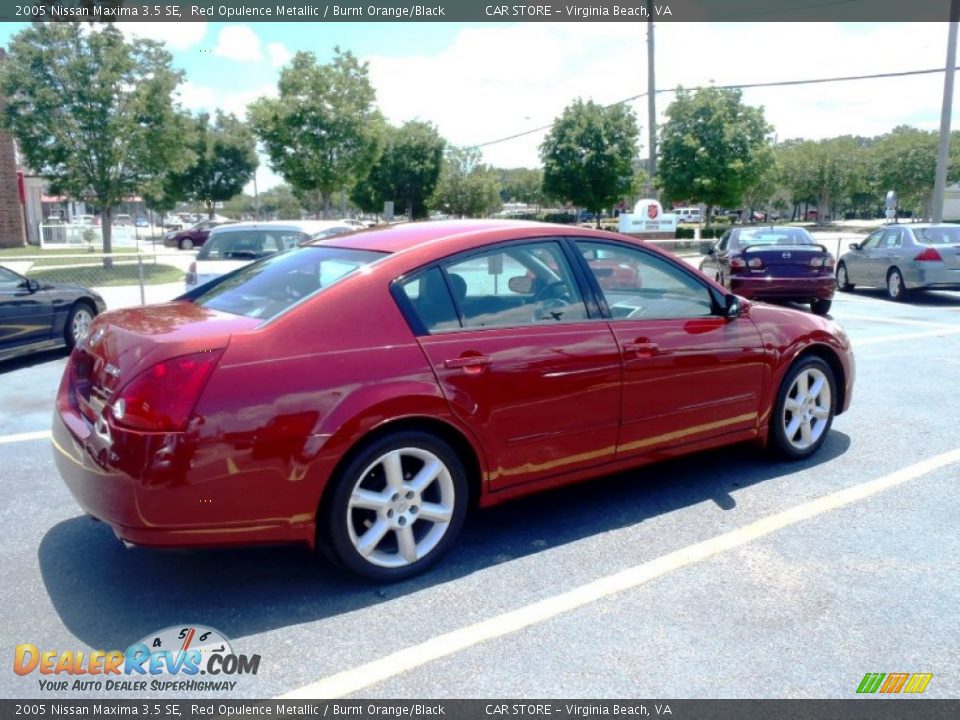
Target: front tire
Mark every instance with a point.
(78, 323)
(806, 404)
(896, 288)
(186, 244)
(397, 507)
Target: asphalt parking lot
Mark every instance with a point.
(726, 574)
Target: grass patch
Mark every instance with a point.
(116, 276)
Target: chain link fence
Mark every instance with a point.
(124, 277)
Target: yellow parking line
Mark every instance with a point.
(371, 673)
(24, 437)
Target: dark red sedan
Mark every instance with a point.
(773, 263)
(362, 391)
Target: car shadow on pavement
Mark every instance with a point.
(109, 597)
(34, 358)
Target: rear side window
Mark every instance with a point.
(431, 300)
(267, 288)
(249, 244)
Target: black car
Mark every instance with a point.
(39, 316)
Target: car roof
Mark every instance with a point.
(306, 226)
(453, 233)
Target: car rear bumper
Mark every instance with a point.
(922, 275)
(773, 288)
(163, 507)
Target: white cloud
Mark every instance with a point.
(497, 81)
(177, 35)
(240, 43)
(278, 54)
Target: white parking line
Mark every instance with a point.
(898, 337)
(899, 321)
(24, 437)
(371, 673)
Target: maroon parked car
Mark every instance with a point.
(192, 237)
(360, 392)
(773, 263)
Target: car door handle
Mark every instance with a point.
(643, 349)
(469, 363)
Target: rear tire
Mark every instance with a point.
(843, 281)
(803, 413)
(821, 306)
(186, 244)
(78, 323)
(896, 288)
(397, 507)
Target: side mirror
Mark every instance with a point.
(30, 285)
(854, 246)
(707, 248)
(733, 307)
(521, 284)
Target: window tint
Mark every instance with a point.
(938, 235)
(775, 236)
(267, 288)
(638, 284)
(872, 241)
(430, 297)
(9, 278)
(891, 239)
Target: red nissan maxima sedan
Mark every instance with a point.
(362, 391)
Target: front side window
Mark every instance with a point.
(638, 284)
(871, 242)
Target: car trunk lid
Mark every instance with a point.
(790, 260)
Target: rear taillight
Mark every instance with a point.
(162, 398)
(819, 262)
(191, 276)
(737, 265)
(929, 255)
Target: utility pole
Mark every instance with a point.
(943, 150)
(652, 107)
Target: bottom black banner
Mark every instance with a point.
(859, 709)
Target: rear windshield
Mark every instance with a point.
(267, 288)
(775, 236)
(249, 244)
(938, 235)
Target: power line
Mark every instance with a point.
(742, 86)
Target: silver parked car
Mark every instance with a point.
(902, 258)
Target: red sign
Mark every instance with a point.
(652, 211)
(20, 188)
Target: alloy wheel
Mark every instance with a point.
(401, 507)
(80, 324)
(807, 408)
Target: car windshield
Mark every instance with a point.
(938, 235)
(267, 288)
(249, 244)
(775, 236)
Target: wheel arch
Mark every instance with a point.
(446, 431)
(832, 359)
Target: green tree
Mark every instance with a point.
(224, 160)
(905, 160)
(588, 155)
(321, 133)
(92, 113)
(522, 185)
(712, 148)
(406, 171)
(280, 203)
(467, 187)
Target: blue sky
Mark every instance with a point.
(479, 82)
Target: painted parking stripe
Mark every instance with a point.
(898, 321)
(898, 337)
(25, 437)
(371, 673)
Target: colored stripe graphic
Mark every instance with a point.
(870, 682)
(918, 682)
(894, 683)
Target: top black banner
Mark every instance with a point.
(482, 11)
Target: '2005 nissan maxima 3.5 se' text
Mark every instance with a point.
(361, 392)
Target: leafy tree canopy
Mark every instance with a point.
(91, 112)
(467, 187)
(321, 133)
(588, 155)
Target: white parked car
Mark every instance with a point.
(232, 246)
(688, 215)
